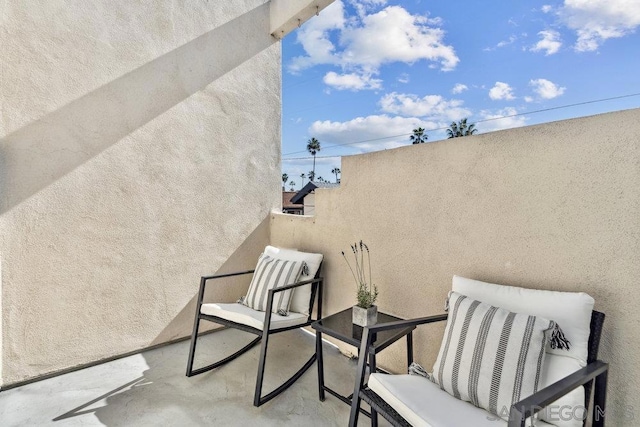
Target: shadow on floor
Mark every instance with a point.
(152, 389)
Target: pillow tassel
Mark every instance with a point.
(558, 340)
(416, 369)
(446, 302)
(283, 312)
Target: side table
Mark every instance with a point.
(340, 326)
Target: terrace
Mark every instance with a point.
(125, 175)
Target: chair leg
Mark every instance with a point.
(192, 348)
(320, 360)
(258, 399)
(192, 351)
(355, 411)
(600, 400)
(261, 363)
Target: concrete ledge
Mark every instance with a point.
(286, 15)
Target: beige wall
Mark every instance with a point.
(554, 206)
(139, 149)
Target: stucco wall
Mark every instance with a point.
(139, 149)
(554, 206)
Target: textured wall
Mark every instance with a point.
(139, 149)
(554, 206)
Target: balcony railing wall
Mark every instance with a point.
(553, 206)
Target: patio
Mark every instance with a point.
(138, 155)
(151, 389)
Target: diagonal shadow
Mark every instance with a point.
(224, 290)
(80, 410)
(66, 138)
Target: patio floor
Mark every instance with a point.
(150, 389)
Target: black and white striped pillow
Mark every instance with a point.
(272, 273)
(490, 356)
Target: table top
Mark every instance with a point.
(340, 326)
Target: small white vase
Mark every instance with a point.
(365, 316)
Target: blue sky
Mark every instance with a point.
(363, 74)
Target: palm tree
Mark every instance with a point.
(285, 178)
(313, 146)
(336, 171)
(461, 129)
(312, 175)
(320, 179)
(303, 176)
(292, 184)
(419, 137)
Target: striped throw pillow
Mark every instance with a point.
(272, 273)
(490, 356)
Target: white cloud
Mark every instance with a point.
(315, 40)
(394, 35)
(501, 91)
(546, 8)
(378, 131)
(404, 78)
(546, 89)
(366, 42)
(364, 6)
(507, 42)
(459, 88)
(549, 42)
(351, 81)
(433, 106)
(528, 99)
(500, 119)
(598, 20)
(502, 43)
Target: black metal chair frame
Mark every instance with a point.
(262, 334)
(595, 372)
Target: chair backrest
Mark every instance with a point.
(597, 321)
(300, 298)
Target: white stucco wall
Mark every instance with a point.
(139, 149)
(554, 206)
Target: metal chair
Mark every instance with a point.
(259, 323)
(593, 374)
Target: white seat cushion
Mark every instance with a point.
(239, 313)
(301, 295)
(422, 403)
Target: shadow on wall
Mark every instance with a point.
(243, 258)
(40, 153)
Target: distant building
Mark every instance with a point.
(306, 197)
(287, 206)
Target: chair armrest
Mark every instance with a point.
(295, 285)
(533, 404)
(219, 276)
(204, 279)
(272, 293)
(367, 338)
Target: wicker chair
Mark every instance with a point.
(595, 372)
(262, 323)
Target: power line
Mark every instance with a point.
(477, 121)
(309, 158)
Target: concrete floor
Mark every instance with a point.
(150, 389)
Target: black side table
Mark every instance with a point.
(340, 326)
